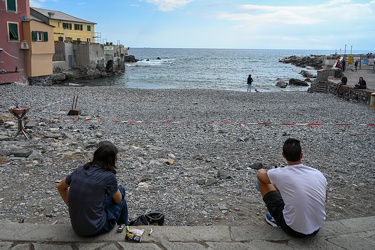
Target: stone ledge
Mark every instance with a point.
(349, 93)
(63, 233)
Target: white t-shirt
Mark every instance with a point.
(303, 190)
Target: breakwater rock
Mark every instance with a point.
(297, 82)
(315, 61)
(130, 59)
(84, 73)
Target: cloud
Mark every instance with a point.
(169, 5)
(36, 3)
(40, 3)
(324, 25)
(329, 13)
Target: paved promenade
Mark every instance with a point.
(348, 234)
(367, 72)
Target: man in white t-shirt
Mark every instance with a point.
(295, 195)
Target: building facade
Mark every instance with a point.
(26, 49)
(41, 49)
(12, 56)
(67, 28)
(41, 45)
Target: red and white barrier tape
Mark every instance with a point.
(242, 124)
(51, 104)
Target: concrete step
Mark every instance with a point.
(320, 87)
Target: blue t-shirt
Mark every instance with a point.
(87, 193)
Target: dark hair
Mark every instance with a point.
(104, 157)
(105, 143)
(292, 150)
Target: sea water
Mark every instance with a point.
(221, 69)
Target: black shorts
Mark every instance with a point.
(275, 205)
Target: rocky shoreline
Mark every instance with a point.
(191, 154)
(315, 61)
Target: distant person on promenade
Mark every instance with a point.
(356, 65)
(295, 195)
(361, 84)
(96, 202)
(344, 81)
(249, 83)
(338, 63)
(343, 64)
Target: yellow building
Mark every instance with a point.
(67, 28)
(39, 49)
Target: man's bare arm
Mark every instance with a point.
(263, 176)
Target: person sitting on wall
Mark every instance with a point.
(344, 81)
(361, 84)
(95, 201)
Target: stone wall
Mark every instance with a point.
(349, 93)
(87, 61)
(40, 81)
(324, 74)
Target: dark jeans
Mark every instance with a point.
(116, 213)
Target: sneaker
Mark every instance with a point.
(270, 220)
(257, 185)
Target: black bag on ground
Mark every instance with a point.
(155, 219)
(139, 221)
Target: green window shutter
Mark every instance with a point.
(33, 35)
(45, 36)
(11, 5)
(13, 31)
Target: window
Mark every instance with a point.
(39, 36)
(78, 27)
(88, 27)
(11, 5)
(61, 39)
(67, 26)
(13, 32)
(89, 40)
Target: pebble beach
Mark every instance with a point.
(190, 154)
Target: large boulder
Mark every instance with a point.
(58, 77)
(297, 82)
(130, 59)
(307, 74)
(281, 84)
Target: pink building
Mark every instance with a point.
(12, 55)
(25, 50)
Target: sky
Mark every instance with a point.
(338, 25)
